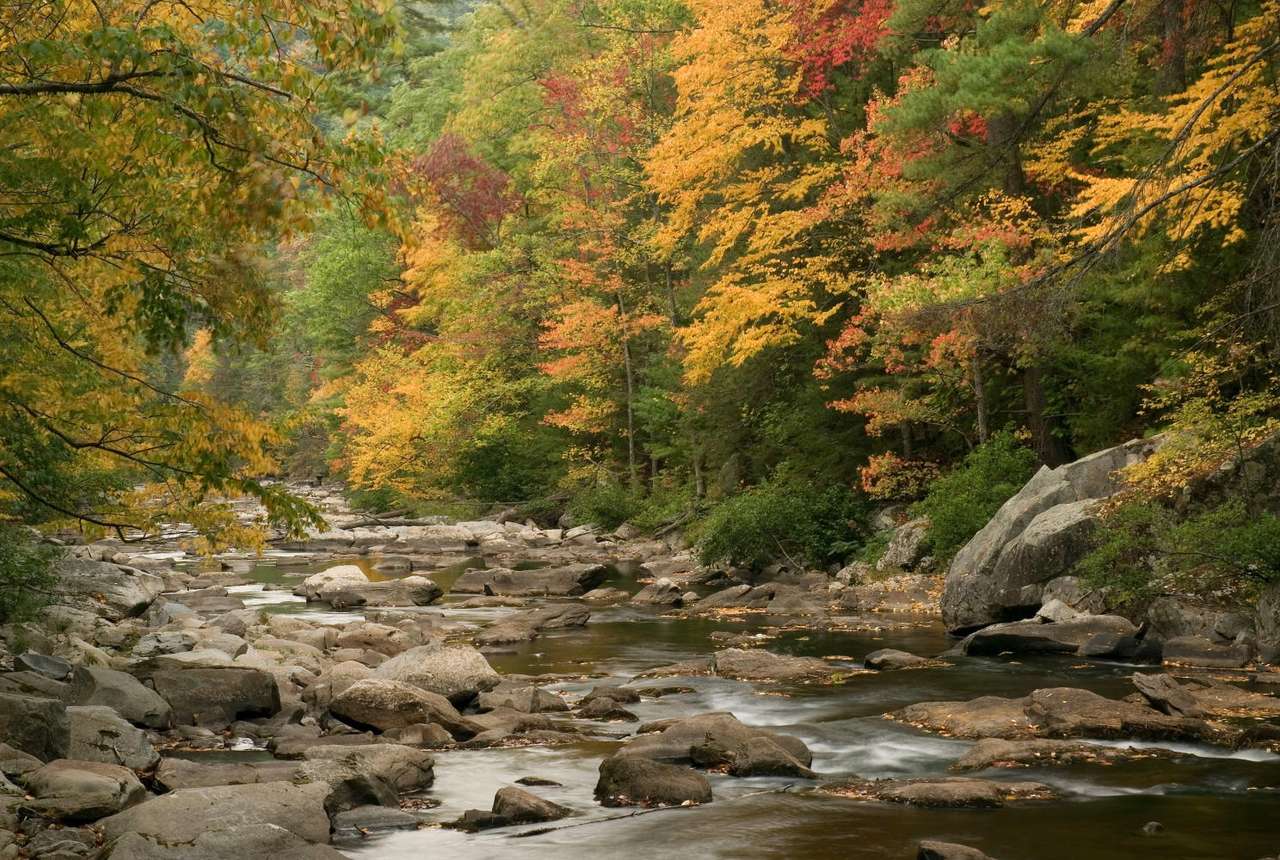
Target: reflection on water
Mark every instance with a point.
(1213, 803)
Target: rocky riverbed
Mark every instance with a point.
(396, 689)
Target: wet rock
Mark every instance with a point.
(403, 768)
(660, 592)
(82, 791)
(99, 734)
(941, 792)
(113, 591)
(733, 597)
(189, 814)
(15, 763)
(367, 820)
(383, 704)
(529, 700)
(994, 752)
(536, 781)
(252, 841)
(420, 735)
(457, 672)
(524, 807)
(625, 695)
(175, 773)
(1036, 536)
(408, 591)
(1200, 652)
(719, 741)
(630, 780)
(217, 695)
(888, 658)
(1167, 695)
(1151, 828)
(568, 581)
(1059, 712)
(932, 850)
(761, 665)
(607, 710)
(36, 726)
(123, 693)
(606, 595)
(524, 626)
(54, 668)
(1039, 637)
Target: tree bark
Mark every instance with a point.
(1002, 130)
(1171, 77)
(1048, 446)
(630, 390)
(980, 399)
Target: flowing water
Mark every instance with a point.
(1213, 803)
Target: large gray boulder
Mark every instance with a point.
(189, 814)
(217, 695)
(906, 547)
(176, 773)
(36, 726)
(253, 841)
(113, 591)
(381, 704)
(100, 734)
(338, 578)
(457, 672)
(1040, 637)
(123, 693)
(407, 591)
(1037, 535)
(568, 581)
(636, 781)
(719, 741)
(77, 792)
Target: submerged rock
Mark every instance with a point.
(761, 665)
(888, 658)
(941, 792)
(718, 741)
(932, 850)
(995, 752)
(511, 806)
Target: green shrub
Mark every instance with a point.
(26, 573)
(1142, 549)
(606, 505)
(961, 502)
(777, 520)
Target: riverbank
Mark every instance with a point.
(491, 689)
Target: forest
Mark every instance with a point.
(930, 301)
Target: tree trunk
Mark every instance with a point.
(1002, 132)
(1047, 445)
(699, 476)
(630, 390)
(980, 398)
(1172, 74)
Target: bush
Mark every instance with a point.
(26, 573)
(776, 520)
(961, 502)
(606, 505)
(1143, 550)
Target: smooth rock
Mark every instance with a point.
(631, 780)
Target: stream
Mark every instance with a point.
(1212, 803)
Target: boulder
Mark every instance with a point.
(523, 626)
(382, 704)
(15, 763)
(930, 849)
(407, 591)
(1200, 652)
(760, 665)
(996, 752)
(54, 668)
(77, 792)
(403, 768)
(944, 792)
(36, 726)
(660, 592)
(99, 734)
(1167, 695)
(113, 591)
(625, 695)
(189, 814)
(719, 741)
(362, 821)
(1040, 637)
(249, 841)
(217, 695)
(176, 773)
(371, 636)
(123, 693)
(1037, 535)
(1059, 712)
(568, 581)
(337, 578)
(332, 681)
(457, 672)
(512, 805)
(907, 546)
(631, 780)
(606, 710)
(529, 700)
(605, 595)
(888, 658)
